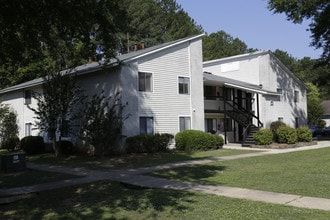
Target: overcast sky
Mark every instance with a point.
(252, 23)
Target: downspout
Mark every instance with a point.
(224, 109)
(258, 109)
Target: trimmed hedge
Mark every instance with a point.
(274, 126)
(32, 145)
(148, 143)
(10, 143)
(286, 134)
(304, 134)
(263, 137)
(193, 140)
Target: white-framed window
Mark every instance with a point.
(296, 96)
(146, 125)
(281, 119)
(185, 123)
(27, 97)
(145, 82)
(28, 129)
(184, 83)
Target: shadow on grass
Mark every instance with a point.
(113, 162)
(99, 200)
(191, 173)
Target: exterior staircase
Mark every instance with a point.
(249, 141)
(243, 118)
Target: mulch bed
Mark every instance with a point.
(285, 146)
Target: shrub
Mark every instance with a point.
(66, 147)
(274, 126)
(148, 143)
(263, 137)
(192, 140)
(286, 134)
(304, 134)
(32, 145)
(10, 143)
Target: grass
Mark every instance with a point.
(31, 177)
(109, 200)
(303, 173)
(130, 160)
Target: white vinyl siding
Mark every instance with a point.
(165, 103)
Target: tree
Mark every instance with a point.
(155, 22)
(102, 122)
(8, 123)
(318, 11)
(35, 33)
(314, 108)
(220, 44)
(56, 105)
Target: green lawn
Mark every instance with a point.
(303, 173)
(109, 200)
(130, 160)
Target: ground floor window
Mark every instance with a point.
(297, 122)
(185, 123)
(211, 125)
(146, 125)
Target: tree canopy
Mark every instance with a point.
(220, 44)
(318, 11)
(36, 34)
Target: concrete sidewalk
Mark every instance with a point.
(134, 177)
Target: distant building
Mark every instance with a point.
(326, 115)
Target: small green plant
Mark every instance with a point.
(32, 145)
(193, 140)
(286, 134)
(263, 137)
(148, 143)
(304, 134)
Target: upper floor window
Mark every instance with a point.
(296, 96)
(27, 97)
(184, 85)
(145, 82)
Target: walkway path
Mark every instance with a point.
(135, 177)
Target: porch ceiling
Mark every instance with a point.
(219, 80)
